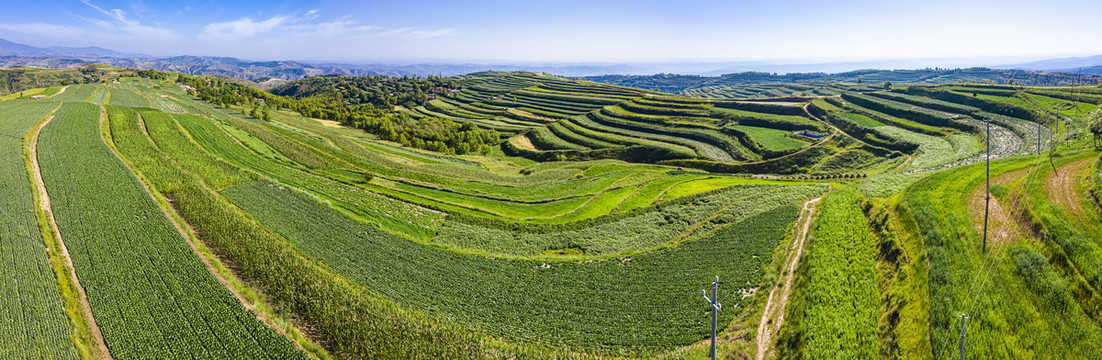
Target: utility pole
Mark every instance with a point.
(1038, 137)
(963, 319)
(714, 301)
(1052, 144)
(1078, 82)
(988, 194)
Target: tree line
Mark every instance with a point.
(435, 134)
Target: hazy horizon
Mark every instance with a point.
(566, 31)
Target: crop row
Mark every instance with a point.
(886, 118)
(33, 322)
(126, 97)
(1002, 105)
(642, 303)
(835, 310)
(354, 324)
(909, 112)
(934, 151)
(76, 93)
(1016, 278)
(626, 232)
(707, 143)
(150, 294)
(217, 141)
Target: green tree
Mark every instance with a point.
(887, 85)
(1095, 125)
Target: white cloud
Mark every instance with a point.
(394, 32)
(408, 32)
(133, 27)
(431, 33)
(42, 29)
(240, 28)
(337, 27)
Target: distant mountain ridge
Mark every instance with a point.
(678, 84)
(16, 54)
(1089, 64)
(16, 49)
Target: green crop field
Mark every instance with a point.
(495, 294)
(151, 295)
(524, 215)
(33, 323)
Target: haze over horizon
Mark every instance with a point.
(567, 31)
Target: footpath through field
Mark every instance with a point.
(100, 350)
(778, 301)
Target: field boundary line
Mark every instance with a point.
(777, 303)
(44, 210)
(214, 266)
(59, 92)
(638, 188)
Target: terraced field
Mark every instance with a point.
(578, 120)
(199, 232)
(530, 300)
(150, 294)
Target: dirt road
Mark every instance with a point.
(778, 300)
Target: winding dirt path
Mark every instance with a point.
(905, 163)
(100, 350)
(59, 92)
(778, 301)
(1060, 187)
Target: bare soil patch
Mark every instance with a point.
(1004, 220)
(525, 113)
(523, 142)
(329, 123)
(1061, 186)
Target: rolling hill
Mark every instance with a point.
(523, 215)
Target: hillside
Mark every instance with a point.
(522, 215)
(692, 85)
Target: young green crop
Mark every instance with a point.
(150, 294)
(835, 311)
(125, 97)
(773, 139)
(626, 232)
(75, 93)
(1018, 290)
(643, 303)
(356, 325)
(33, 322)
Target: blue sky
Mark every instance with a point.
(566, 30)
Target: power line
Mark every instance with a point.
(986, 268)
(987, 195)
(1019, 208)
